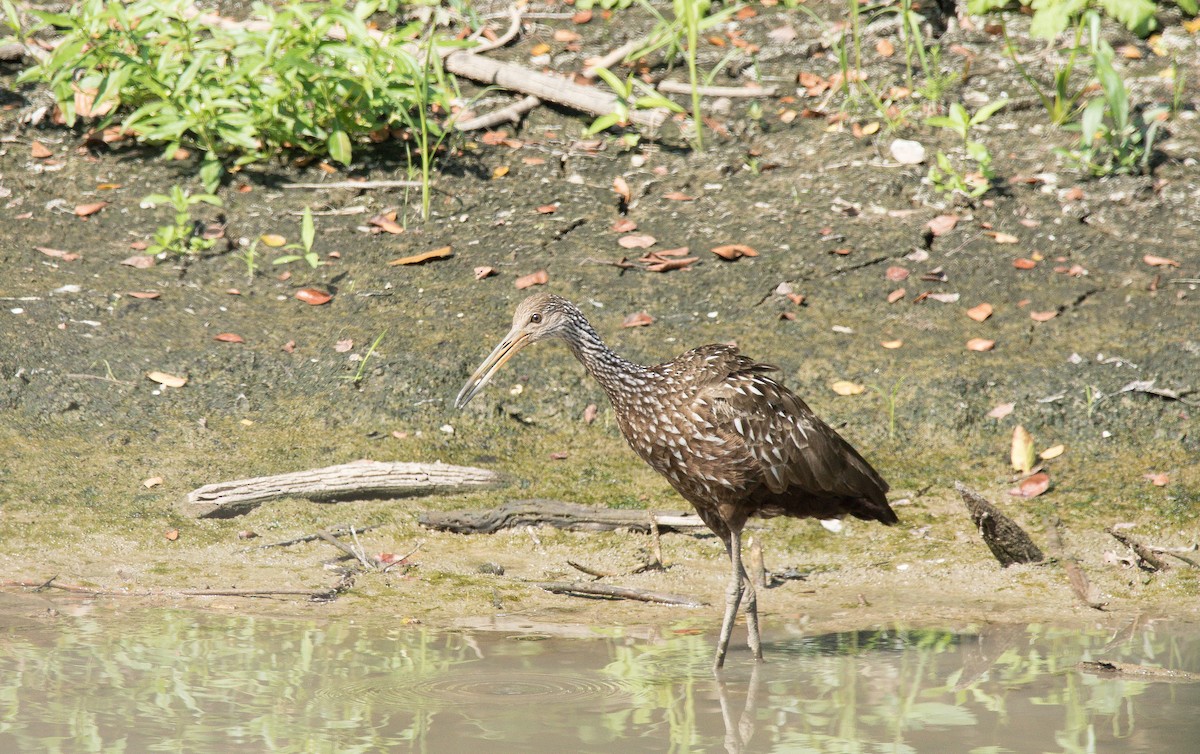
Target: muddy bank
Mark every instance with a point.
(830, 214)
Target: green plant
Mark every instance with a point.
(1061, 104)
(944, 176)
(306, 76)
(628, 100)
(890, 399)
(1113, 137)
(359, 375)
(1051, 17)
(308, 233)
(249, 255)
(605, 4)
(184, 235)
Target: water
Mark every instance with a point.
(95, 679)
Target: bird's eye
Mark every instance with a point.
(535, 318)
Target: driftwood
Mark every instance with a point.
(349, 481)
(618, 592)
(560, 515)
(1146, 558)
(1076, 577)
(1007, 541)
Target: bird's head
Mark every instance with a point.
(540, 317)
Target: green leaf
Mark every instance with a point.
(286, 259)
(613, 82)
(307, 229)
(211, 171)
(1091, 122)
(1189, 6)
(602, 123)
(1137, 15)
(987, 111)
(339, 146)
(156, 199)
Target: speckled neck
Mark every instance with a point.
(617, 375)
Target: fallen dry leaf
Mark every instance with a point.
(547, 209)
(589, 413)
(980, 344)
(559, 455)
(845, 387)
(581, 17)
(274, 240)
(66, 256)
(624, 225)
(639, 319)
(144, 294)
(229, 337)
(441, 253)
(892, 344)
(944, 298)
(152, 482)
(942, 224)
(534, 278)
(539, 49)
(387, 223)
(896, 274)
(1000, 411)
(678, 196)
(313, 297)
(140, 261)
(896, 295)
(1021, 263)
(344, 345)
(500, 171)
(86, 210)
(484, 272)
(289, 347)
(637, 242)
(885, 48)
(39, 151)
(734, 251)
(1021, 453)
(622, 189)
(566, 35)
(981, 312)
(1154, 261)
(1054, 451)
(1158, 480)
(999, 237)
(493, 138)
(171, 534)
(1031, 486)
(170, 380)
(1043, 316)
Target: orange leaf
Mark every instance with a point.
(387, 223)
(624, 225)
(500, 171)
(534, 278)
(942, 224)
(1032, 486)
(622, 189)
(144, 294)
(981, 312)
(1154, 261)
(896, 295)
(313, 297)
(229, 337)
(896, 274)
(999, 237)
(980, 344)
(636, 242)
(84, 210)
(442, 253)
(171, 534)
(734, 251)
(678, 196)
(885, 48)
(484, 272)
(640, 319)
(582, 17)
(547, 209)
(1158, 480)
(539, 49)
(1043, 316)
(39, 151)
(1022, 263)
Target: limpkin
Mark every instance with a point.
(731, 440)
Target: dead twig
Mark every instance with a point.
(588, 570)
(360, 185)
(1077, 579)
(93, 592)
(1146, 559)
(351, 551)
(340, 531)
(608, 591)
(682, 87)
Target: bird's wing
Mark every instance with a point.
(790, 447)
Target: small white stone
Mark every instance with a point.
(67, 289)
(908, 152)
(516, 389)
(17, 310)
(832, 524)
(637, 160)
(712, 315)
(902, 567)
(448, 429)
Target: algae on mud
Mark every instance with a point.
(81, 428)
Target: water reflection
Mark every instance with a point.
(197, 682)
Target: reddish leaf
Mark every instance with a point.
(66, 256)
(1154, 261)
(981, 312)
(1043, 316)
(624, 225)
(581, 17)
(484, 272)
(640, 319)
(39, 151)
(896, 274)
(1031, 486)
(622, 189)
(980, 344)
(1021, 263)
(637, 242)
(678, 196)
(85, 210)
(896, 295)
(559, 455)
(493, 138)
(387, 223)
(313, 297)
(144, 294)
(289, 347)
(140, 261)
(942, 224)
(442, 253)
(589, 413)
(1158, 480)
(171, 534)
(534, 278)
(229, 337)
(547, 209)
(734, 251)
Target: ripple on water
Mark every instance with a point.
(482, 688)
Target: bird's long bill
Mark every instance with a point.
(510, 345)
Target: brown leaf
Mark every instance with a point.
(896, 295)
(980, 344)
(734, 251)
(86, 210)
(171, 534)
(344, 345)
(559, 455)
(999, 237)
(39, 151)
(152, 482)
(1031, 486)
(274, 240)
(66, 256)
(892, 344)
(289, 347)
(500, 171)
(845, 387)
(170, 380)
(566, 35)
(622, 189)
(441, 253)
(313, 297)
(637, 242)
(387, 223)
(581, 17)
(484, 272)
(678, 196)
(1073, 194)
(896, 274)
(639, 319)
(534, 278)
(229, 337)
(1021, 263)
(589, 413)
(1158, 480)
(885, 48)
(942, 224)
(1022, 452)
(981, 312)
(655, 263)
(1000, 411)
(624, 225)
(140, 261)
(144, 294)
(1043, 316)
(547, 209)
(1154, 261)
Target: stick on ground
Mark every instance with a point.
(618, 592)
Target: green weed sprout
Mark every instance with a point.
(308, 233)
(1061, 104)
(628, 99)
(944, 176)
(183, 236)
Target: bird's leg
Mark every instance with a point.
(753, 637)
(733, 595)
